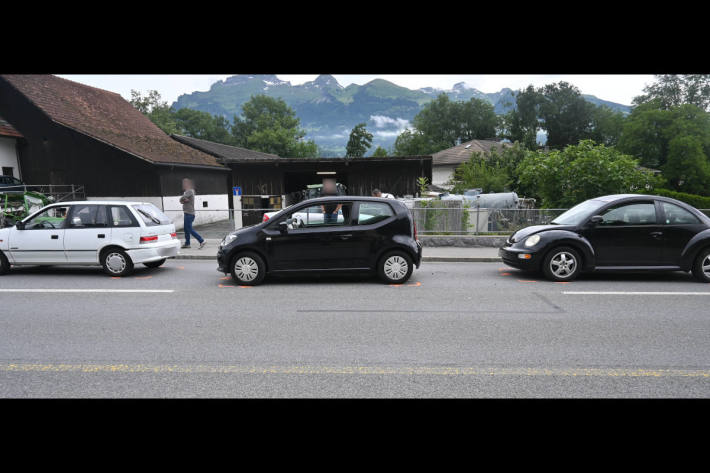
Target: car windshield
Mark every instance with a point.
(152, 215)
(578, 213)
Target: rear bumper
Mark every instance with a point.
(155, 252)
(418, 261)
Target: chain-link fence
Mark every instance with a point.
(442, 218)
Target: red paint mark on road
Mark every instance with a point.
(526, 280)
(143, 277)
(417, 284)
(225, 278)
(562, 282)
(246, 287)
(505, 274)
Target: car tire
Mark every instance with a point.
(562, 264)
(701, 266)
(395, 267)
(155, 264)
(248, 269)
(116, 262)
(4, 264)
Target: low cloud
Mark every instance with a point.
(383, 121)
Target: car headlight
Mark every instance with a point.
(532, 241)
(228, 239)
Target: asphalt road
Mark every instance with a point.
(454, 330)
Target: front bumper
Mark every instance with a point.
(222, 262)
(511, 256)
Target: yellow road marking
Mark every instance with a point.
(351, 370)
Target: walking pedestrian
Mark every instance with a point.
(188, 209)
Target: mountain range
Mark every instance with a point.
(328, 111)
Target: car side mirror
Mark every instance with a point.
(596, 220)
(283, 226)
(20, 225)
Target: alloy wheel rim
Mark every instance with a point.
(396, 267)
(246, 269)
(116, 263)
(563, 264)
(706, 266)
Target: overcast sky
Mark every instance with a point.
(616, 88)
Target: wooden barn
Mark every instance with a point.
(267, 174)
(72, 133)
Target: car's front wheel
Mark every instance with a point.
(116, 262)
(701, 266)
(155, 264)
(562, 264)
(4, 264)
(248, 269)
(395, 267)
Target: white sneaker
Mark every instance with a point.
(202, 245)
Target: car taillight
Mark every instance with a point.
(266, 217)
(415, 230)
(173, 235)
(148, 239)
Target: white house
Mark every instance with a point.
(445, 162)
(9, 162)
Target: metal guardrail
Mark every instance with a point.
(56, 192)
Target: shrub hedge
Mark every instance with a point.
(697, 201)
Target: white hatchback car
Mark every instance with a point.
(116, 235)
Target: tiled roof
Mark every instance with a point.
(461, 153)
(105, 116)
(8, 130)
(226, 153)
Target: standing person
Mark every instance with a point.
(188, 209)
(330, 211)
(379, 193)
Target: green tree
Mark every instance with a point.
(359, 142)
(479, 172)
(522, 123)
(156, 109)
(673, 90)
(607, 125)
(380, 152)
(674, 140)
(566, 115)
(443, 123)
(563, 178)
(269, 125)
(203, 125)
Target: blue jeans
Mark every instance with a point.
(330, 218)
(189, 218)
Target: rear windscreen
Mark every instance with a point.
(152, 215)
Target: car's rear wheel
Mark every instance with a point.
(155, 264)
(248, 269)
(4, 264)
(562, 264)
(701, 267)
(395, 267)
(116, 262)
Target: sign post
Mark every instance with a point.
(237, 200)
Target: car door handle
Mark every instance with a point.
(345, 237)
(55, 237)
(656, 234)
(101, 235)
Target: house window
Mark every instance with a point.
(8, 171)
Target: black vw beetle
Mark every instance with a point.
(615, 232)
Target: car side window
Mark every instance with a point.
(678, 216)
(121, 217)
(322, 215)
(373, 212)
(637, 213)
(88, 216)
(50, 219)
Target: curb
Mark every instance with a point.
(425, 259)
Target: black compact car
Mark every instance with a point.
(615, 232)
(328, 234)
